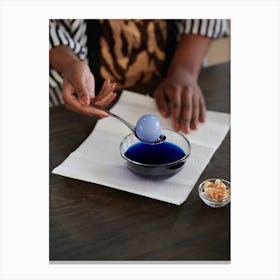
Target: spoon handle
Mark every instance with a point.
(129, 125)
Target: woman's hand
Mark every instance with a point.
(78, 90)
(180, 96)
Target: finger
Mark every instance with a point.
(82, 92)
(105, 86)
(104, 93)
(68, 92)
(105, 83)
(83, 111)
(69, 107)
(175, 106)
(73, 104)
(90, 83)
(202, 112)
(107, 90)
(161, 102)
(106, 100)
(186, 112)
(195, 112)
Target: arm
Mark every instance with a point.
(189, 54)
(78, 89)
(179, 94)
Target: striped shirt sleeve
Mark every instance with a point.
(71, 33)
(212, 28)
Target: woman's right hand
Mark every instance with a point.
(78, 90)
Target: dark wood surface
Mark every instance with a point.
(89, 222)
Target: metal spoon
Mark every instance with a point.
(131, 126)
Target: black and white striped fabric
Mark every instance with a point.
(72, 33)
(212, 28)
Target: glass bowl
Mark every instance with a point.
(162, 162)
(210, 200)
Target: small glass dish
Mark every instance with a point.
(211, 201)
(157, 170)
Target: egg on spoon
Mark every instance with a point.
(148, 128)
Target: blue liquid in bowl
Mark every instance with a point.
(163, 153)
(159, 161)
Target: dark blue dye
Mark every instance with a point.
(163, 153)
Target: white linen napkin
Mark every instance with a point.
(98, 159)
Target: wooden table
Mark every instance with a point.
(89, 222)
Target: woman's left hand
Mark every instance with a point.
(180, 96)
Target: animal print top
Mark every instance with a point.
(132, 51)
(126, 51)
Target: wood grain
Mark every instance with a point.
(89, 222)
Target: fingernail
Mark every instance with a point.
(194, 125)
(187, 129)
(84, 101)
(104, 115)
(176, 126)
(164, 114)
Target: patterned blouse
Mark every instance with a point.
(126, 51)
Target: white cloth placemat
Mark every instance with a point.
(98, 159)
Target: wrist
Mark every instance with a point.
(182, 71)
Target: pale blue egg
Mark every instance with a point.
(148, 128)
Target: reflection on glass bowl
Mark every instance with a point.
(159, 161)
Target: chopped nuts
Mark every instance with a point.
(217, 190)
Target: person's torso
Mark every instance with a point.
(131, 51)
